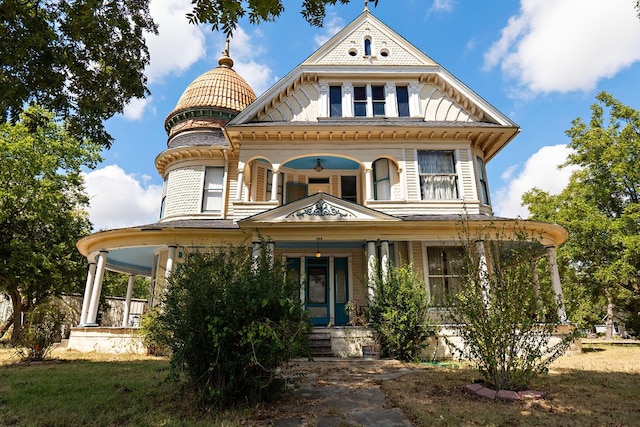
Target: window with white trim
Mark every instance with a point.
(483, 183)
(212, 189)
(369, 101)
(402, 99)
(163, 203)
(335, 101)
(381, 180)
(438, 177)
(444, 266)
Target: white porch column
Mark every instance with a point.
(274, 182)
(97, 289)
(271, 248)
(384, 259)
(240, 181)
(171, 259)
(483, 270)
(371, 268)
(127, 301)
(555, 281)
(257, 250)
(91, 274)
(368, 185)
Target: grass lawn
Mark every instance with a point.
(599, 387)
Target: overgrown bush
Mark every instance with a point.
(398, 313)
(506, 311)
(232, 321)
(42, 329)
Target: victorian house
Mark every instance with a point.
(368, 151)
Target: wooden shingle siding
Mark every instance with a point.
(184, 191)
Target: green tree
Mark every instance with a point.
(505, 311)
(41, 210)
(83, 60)
(600, 208)
(230, 321)
(223, 15)
(399, 312)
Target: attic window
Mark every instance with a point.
(384, 53)
(353, 52)
(367, 46)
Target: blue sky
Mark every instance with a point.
(541, 62)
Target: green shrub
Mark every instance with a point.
(42, 329)
(232, 322)
(398, 313)
(506, 312)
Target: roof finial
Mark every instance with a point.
(225, 60)
(366, 6)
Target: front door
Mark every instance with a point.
(341, 290)
(317, 290)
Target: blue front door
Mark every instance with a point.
(341, 289)
(317, 290)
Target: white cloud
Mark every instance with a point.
(442, 6)
(118, 199)
(135, 109)
(330, 28)
(178, 44)
(566, 45)
(541, 171)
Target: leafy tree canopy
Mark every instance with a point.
(41, 208)
(601, 209)
(223, 15)
(83, 59)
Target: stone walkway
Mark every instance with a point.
(337, 392)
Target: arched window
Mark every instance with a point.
(381, 180)
(367, 46)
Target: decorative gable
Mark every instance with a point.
(320, 207)
(367, 41)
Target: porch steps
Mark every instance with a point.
(320, 344)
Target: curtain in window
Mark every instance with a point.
(382, 184)
(437, 175)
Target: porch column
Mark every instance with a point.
(371, 268)
(171, 258)
(240, 181)
(97, 289)
(483, 270)
(384, 259)
(555, 281)
(257, 250)
(127, 301)
(271, 250)
(536, 284)
(274, 182)
(88, 288)
(368, 184)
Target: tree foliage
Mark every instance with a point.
(223, 15)
(83, 60)
(41, 209)
(230, 321)
(506, 311)
(601, 209)
(398, 313)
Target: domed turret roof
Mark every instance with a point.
(212, 99)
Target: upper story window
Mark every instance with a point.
(163, 203)
(335, 101)
(438, 178)
(348, 188)
(212, 189)
(368, 101)
(381, 180)
(483, 183)
(367, 46)
(402, 99)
